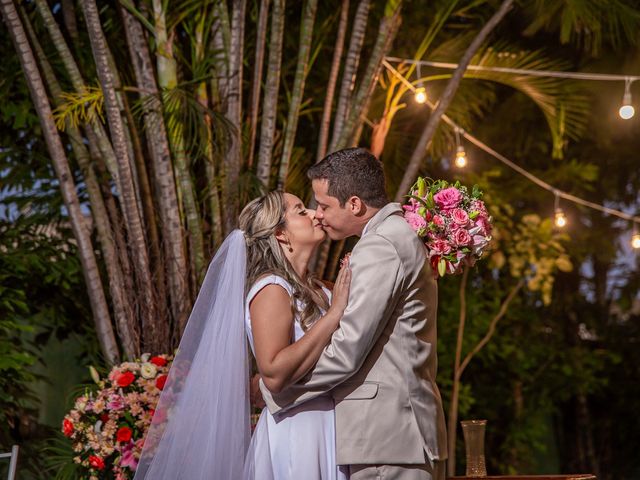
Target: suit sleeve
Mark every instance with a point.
(376, 273)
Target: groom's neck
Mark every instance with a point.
(364, 219)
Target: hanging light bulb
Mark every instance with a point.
(421, 95)
(461, 157)
(635, 237)
(560, 219)
(626, 110)
(420, 92)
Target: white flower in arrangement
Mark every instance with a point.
(94, 374)
(145, 357)
(148, 370)
(97, 426)
(81, 404)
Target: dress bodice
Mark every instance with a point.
(277, 280)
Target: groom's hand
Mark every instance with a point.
(254, 392)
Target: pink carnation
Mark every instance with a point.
(448, 198)
(415, 220)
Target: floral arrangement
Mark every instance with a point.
(453, 222)
(108, 426)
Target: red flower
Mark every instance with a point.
(434, 262)
(160, 381)
(125, 379)
(96, 462)
(67, 427)
(124, 434)
(159, 361)
(104, 417)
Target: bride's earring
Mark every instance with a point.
(289, 246)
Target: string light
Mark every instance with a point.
(461, 156)
(559, 215)
(626, 110)
(420, 92)
(560, 218)
(635, 238)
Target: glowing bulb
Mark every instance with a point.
(421, 95)
(626, 112)
(635, 241)
(461, 157)
(560, 218)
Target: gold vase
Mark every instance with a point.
(473, 431)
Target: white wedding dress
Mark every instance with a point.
(299, 443)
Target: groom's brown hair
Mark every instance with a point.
(352, 171)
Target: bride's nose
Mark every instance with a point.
(312, 213)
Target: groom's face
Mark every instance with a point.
(337, 221)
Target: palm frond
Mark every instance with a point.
(79, 107)
(586, 23)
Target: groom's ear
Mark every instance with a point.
(356, 205)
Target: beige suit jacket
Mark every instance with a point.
(381, 363)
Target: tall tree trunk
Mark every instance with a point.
(360, 103)
(164, 180)
(154, 333)
(69, 18)
(254, 103)
(90, 269)
(325, 123)
(350, 70)
(233, 156)
(168, 80)
(125, 320)
(302, 68)
(270, 102)
(417, 157)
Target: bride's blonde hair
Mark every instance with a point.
(261, 220)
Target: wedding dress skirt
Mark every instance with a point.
(299, 443)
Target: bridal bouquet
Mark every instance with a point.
(453, 223)
(108, 426)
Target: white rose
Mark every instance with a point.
(148, 370)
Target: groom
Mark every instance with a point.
(381, 363)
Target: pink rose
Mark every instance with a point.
(448, 198)
(116, 402)
(439, 247)
(460, 217)
(415, 221)
(479, 206)
(461, 237)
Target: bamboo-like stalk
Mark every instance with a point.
(445, 100)
(302, 67)
(90, 269)
(233, 155)
(168, 80)
(122, 310)
(358, 106)
(151, 330)
(256, 85)
(78, 84)
(202, 96)
(164, 180)
(325, 123)
(270, 100)
(350, 69)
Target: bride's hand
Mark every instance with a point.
(340, 295)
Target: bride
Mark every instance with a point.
(258, 289)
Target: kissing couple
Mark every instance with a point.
(347, 374)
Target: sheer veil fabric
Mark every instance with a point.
(201, 427)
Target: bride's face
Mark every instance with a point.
(302, 228)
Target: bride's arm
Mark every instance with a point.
(281, 362)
